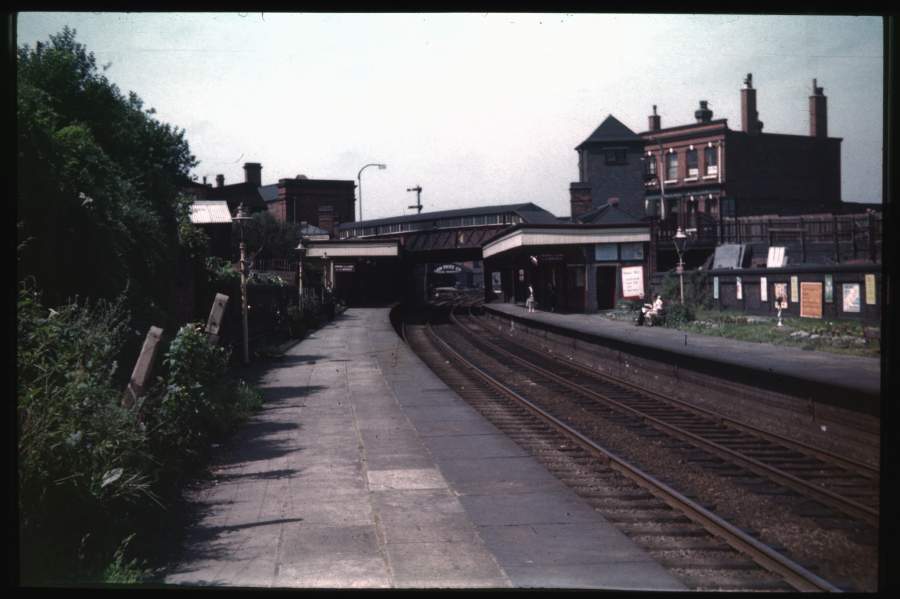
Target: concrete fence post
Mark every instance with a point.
(216, 314)
(143, 368)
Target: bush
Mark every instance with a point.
(678, 314)
(187, 405)
(82, 456)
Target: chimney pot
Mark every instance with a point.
(655, 120)
(220, 180)
(253, 173)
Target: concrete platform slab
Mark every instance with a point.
(364, 471)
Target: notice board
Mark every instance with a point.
(633, 282)
(811, 300)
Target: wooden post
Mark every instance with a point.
(216, 314)
(143, 368)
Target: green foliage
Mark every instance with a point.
(678, 314)
(189, 409)
(80, 453)
(268, 237)
(221, 272)
(97, 177)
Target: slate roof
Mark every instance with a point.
(530, 213)
(269, 193)
(611, 130)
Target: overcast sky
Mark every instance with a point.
(478, 109)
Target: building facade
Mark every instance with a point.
(693, 175)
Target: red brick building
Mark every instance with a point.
(323, 203)
(699, 172)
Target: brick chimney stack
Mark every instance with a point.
(253, 173)
(655, 120)
(220, 180)
(750, 122)
(818, 112)
(703, 114)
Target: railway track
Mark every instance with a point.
(701, 548)
(849, 489)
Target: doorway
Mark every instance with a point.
(606, 287)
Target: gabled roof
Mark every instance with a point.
(611, 130)
(269, 193)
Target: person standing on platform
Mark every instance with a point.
(529, 303)
(551, 296)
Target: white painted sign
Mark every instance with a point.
(633, 282)
(447, 269)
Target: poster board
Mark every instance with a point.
(763, 290)
(633, 282)
(811, 300)
(780, 292)
(850, 296)
(795, 290)
(870, 290)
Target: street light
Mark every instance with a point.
(242, 217)
(301, 253)
(359, 182)
(680, 241)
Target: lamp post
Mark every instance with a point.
(242, 217)
(359, 182)
(301, 253)
(680, 241)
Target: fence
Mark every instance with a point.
(820, 238)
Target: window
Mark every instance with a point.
(691, 160)
(650, 167)
(616, 156)
(671, 166)
(711, 158)
(606, 252)
(632, 251)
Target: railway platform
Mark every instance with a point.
(364, 470)
(848, 382)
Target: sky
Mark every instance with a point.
(476, 108)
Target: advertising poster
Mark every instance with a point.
(829, 289)
(795, 290)
(633, 282)
(715, 287)
(811, 300)
(763, 289)
(781, 297)
(738, 288)
(851, 297)
(870, 290)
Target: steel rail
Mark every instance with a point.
(857, 467)
(834, 500)
(793, 573)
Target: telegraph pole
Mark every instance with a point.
(418, 190)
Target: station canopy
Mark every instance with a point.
(351, 248)
(562, 235)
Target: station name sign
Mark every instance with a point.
(344, 267)
(445, 269)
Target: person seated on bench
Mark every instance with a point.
(651, 311)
